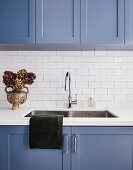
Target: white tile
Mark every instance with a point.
(100, 91)
(50, 104)
(108, 72)
(95, 72)
(94, 84)
(37, 104)
(82, 71)
(88, 91)
(82, 85)
(107, 84)
(101, 53)
(100, 65)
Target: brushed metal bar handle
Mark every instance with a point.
(66, 144)
(75, 143)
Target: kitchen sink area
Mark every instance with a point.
(66, 87)
(82, 114)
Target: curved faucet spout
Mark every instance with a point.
(67, 74)
(69, 96)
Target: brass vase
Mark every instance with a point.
(16, 97)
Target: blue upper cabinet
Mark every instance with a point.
(102, 21)
(58, 21)
(17, 21)
(66, 21)
(129, 21)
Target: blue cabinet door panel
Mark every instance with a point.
(15, 153)
(66, 148)
(102, 21)
(102, 148)
(129, 21)
(17, 21)
(58, 21)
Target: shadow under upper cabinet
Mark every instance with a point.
(64, 47)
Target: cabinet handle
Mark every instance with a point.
(75, 143)
(66, 144)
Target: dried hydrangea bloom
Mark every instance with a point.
(9, 78)
(29, 78)
(19, 84)
(18, 81)
(21, 74)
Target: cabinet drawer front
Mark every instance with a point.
(102, 21)
(58, 21)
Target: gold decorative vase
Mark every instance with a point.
(16, 97)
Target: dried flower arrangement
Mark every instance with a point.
(17, 81)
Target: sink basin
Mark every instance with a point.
(86, 114)
(92, 114)
(42, 112)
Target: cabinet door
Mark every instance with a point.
(129, 21)
(15, 153)
(102, 148)
(102, 21)
(58, 21)
(17, 21)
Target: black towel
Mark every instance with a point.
(45, 132)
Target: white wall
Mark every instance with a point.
(106, 75)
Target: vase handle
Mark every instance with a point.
(6, 89)
(27, 90)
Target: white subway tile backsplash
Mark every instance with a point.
(105, 75)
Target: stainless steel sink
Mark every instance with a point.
(87, 114)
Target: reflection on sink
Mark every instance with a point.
(87, 114)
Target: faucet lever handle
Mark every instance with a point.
(75, 101)
(75, 97)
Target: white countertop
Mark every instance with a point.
(125, 118)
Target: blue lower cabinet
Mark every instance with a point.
(17, 21)
(102, 22)
(84, 148)
(102, 148)
(15, 153)
(58, 21)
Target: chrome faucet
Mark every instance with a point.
(70, 101)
